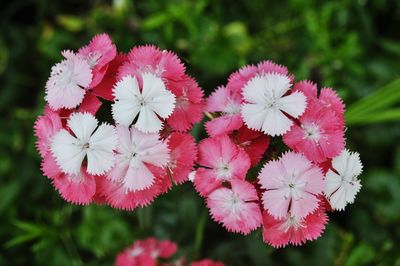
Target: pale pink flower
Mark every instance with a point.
(68, 82)
(319, 133)
(227, 102)
(292, 185)
(236, 207)
(86, 139)
(223, 161)
(150, 59)
(206, 262)
(45, 127)
(290, 229)
(149, 103)
(266, 104)
(342, 184)
(98, 54)
(189, 104)
(146, 252)
(183, 156)
(135, 151)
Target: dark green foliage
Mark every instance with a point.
(353, 46)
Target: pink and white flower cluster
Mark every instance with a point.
(115, 127)
(152, 252)
(264, 119)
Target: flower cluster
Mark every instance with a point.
(264, 119)
(115, 131)
(151, 252)
(115, 127)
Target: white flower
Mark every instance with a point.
(98, 145)
(342, 184)
(264, 104)
(152, 102)
(136, 150)
(68, 79)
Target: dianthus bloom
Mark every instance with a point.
(150, 104)
(294, 133)
(236, 207)
(342, 184)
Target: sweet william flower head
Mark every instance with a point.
(290, 229)
(68, 82)
(236, 208)
(150, 103)
(292, 184)
(223, 161)
(319, 135)
(135, 151)
(342, 184)
(266, 105)
(86, 139)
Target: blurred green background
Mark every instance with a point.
(353, 46)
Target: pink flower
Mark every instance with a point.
(236, 208)
(68, 82)
(253, 142)
(223, 160)
(183, 156)
(98, 54)
(135, 151)
(146, 252)
(280, 232)
(227, 102)
(118, 197)
(206, 262)
(292, 184)
(45, 127)
(319, 135)
(150, 59)
(189, 104)
(240, 78)
(77, 188)
(327, 97)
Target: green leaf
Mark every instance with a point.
(383, 116)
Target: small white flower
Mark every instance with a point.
(68, 81)
(150, 104)
(342, 184)
(87, 141)
(265, 104)
(136, 150)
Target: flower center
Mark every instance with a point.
(223, 171)
(291, 222)
(312, 132)
(92, 58)
(232, 108)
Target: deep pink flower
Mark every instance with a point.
(223, 161)
(227, 102)
(146, 252)
(236, 207)
(45, 127)
(98, 54)
(327, 97)
(75, 188)
(149, 58)
(292, 184)
(182, 157)
(280, 232)
(319, 134)
(206, 262)
(240, 78)
(189, 104)
(253, 142)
